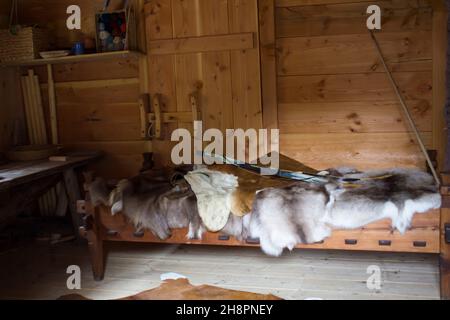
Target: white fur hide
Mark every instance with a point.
(306, 213)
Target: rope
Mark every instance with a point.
(406, 111)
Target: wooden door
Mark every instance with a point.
(209, 48)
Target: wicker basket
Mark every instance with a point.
(24, 46)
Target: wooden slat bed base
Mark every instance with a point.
(423, 236)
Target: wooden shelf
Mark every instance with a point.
(78, 58)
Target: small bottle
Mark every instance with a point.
(78, 48)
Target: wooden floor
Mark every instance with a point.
(39, 272)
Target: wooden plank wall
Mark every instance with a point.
(97, 102)
(97, 109)
(225, 76)
(12, 127)
(335, 104)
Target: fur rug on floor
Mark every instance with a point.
(181, 289)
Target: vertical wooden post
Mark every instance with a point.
(74, 194)
(444, 258)
(266, 10)
(93, 233)
(52, 104)
(439, 79)
(157, 111)
(440, 136)
(143, 70)
(144, 110)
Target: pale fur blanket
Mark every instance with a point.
(214, 192)
(307, 213)
(281, 217)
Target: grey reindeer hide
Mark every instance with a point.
(306, 213)
(151, 204)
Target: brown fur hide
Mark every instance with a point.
(181, 289)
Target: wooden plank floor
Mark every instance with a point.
(39, 272)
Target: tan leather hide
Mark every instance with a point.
(250, 183)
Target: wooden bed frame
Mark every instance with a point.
(429, 233)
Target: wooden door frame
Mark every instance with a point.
(267, 44)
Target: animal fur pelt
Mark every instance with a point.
(281, 216)
(156, 205)
(248, 184)
(151, 203)
(181, 289)
(213, 191)
(306, 213)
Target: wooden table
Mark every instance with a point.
(23, 182)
